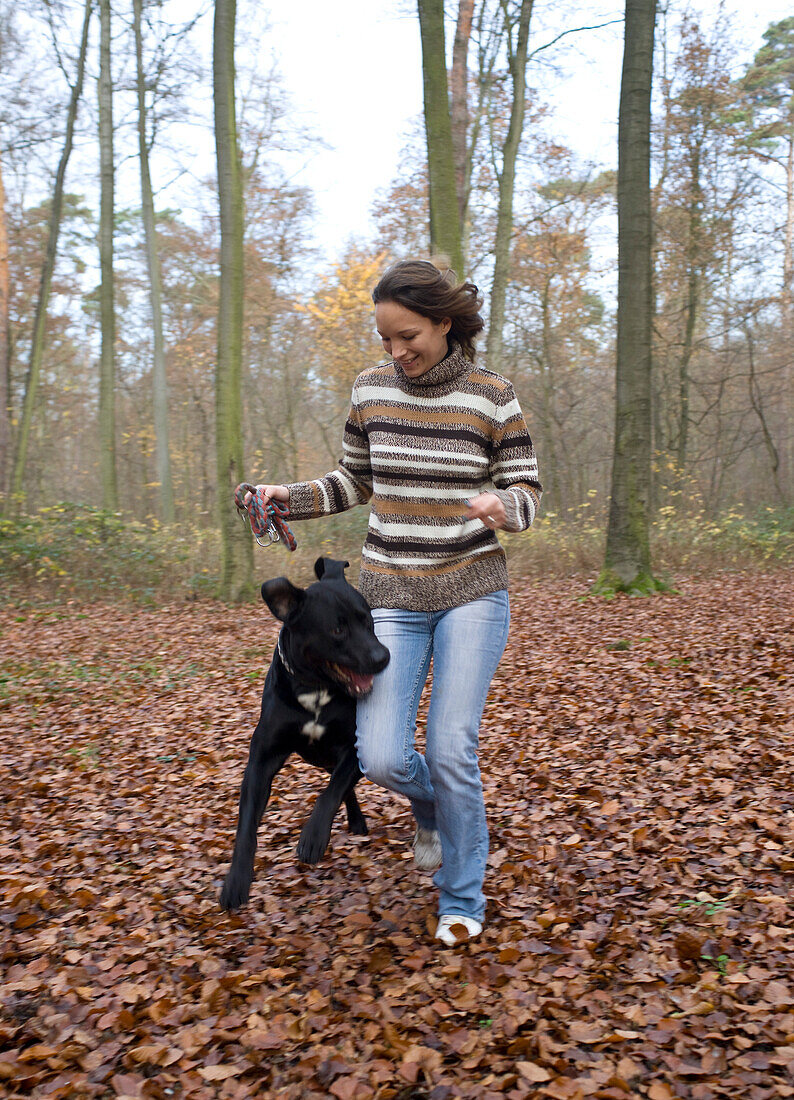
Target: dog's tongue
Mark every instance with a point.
(361, 683)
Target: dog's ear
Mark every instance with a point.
(282, 597)
(332, 570)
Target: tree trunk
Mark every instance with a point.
(547, 393)
(788, 243)
(517, 58)
(627, 565)
(40, 319)
(756, 401)
(159, 380)
(489, 35)
(683, 374)
(5, 382)
(459, 105)
(236, 547)
(107, 381)
(445, 228)
(788, 318)
(694, 245)
(657, 435)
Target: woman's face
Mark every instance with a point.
(416, 342)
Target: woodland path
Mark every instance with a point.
(637, 758)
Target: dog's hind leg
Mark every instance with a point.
(260, 770)
(316, 833)
(356, 822)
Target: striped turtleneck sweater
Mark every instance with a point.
(418, 449)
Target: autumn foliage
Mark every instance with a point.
(637, 762)
(343, 331)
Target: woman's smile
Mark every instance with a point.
(416, 342)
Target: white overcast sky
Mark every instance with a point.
(352, 70)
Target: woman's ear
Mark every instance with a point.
(446, 325)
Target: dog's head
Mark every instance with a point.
(330, 629)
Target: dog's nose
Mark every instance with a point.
(381, 658)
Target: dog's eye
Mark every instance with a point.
(338, 632)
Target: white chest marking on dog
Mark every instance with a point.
(314, 701)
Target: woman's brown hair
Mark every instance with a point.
(420, 286)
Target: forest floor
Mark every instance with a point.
(637, 759)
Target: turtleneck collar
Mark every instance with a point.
(444, 375)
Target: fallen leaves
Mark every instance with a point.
(689, 948)
(531, 1071)
(638, 939)
(220, 1073)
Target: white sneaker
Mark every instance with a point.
(453, 929)
(427, 849)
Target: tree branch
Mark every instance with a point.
(572, 30)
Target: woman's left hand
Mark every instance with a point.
(488, 509)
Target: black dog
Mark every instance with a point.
(326, 658)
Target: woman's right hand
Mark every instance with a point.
(272, 492)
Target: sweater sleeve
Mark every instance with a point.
(349, 484)
(513, 466)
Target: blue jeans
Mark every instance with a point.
(444, 786)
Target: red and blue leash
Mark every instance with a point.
(268, 520)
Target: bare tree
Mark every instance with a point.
(107, 365)
(627, 565)
(37, 340)
(159, 380)
(769, 87)
(445, 227)
(516, 37)
(757, 404)
(5, 339)
(236, 559)
(459, 105)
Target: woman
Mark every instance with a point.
(440, 449)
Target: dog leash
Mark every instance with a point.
(268, 521)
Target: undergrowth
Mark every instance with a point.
(91, 553)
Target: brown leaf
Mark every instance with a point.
(688, 947)
(778, 993)
(220, 1073)
(531, 1071)
(126, 1084)
(659, 1091)
(379, 960)
(344, 1088)
(409, 1071)
(460, 932)
(581, 1032)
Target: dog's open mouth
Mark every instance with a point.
(357, 683)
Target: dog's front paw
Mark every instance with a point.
(357, 825)
(234, 893)
(312, 845)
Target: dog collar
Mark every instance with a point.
(284, 660)
(289, 669)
